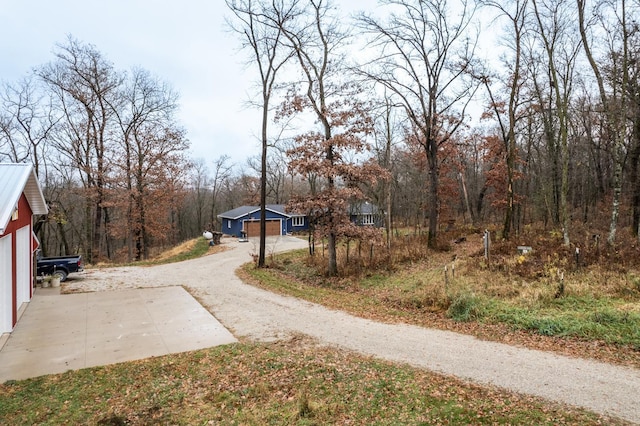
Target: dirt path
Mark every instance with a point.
(260, 315)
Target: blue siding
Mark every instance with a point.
(301, 224)
(231, 227)
(235, 226)
(233, 220)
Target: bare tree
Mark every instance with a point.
(260, 24)
(145, 112)
(386, 133)
(117, 139)
(318, 42)
(633, 92)
(200, 183)
(507, 113)
(276, 175)
(26, 123)
(554, 27)
(426, 55)
(615, 39)
(222, 172)
(83, 82)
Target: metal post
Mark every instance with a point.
(487, 243)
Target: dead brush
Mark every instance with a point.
(597, 281)
(409, 248)
(305, 409)
(357, 257)
(530, 278)
(423, 295)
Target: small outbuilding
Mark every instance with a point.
(20, 198)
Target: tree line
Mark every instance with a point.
(107, 148)
(400, 105)
(545, 150)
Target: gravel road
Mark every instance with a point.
(252, 313)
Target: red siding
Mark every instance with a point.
(25, 215)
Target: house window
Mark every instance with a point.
(297, 220)
(229, 224)
(367, 219)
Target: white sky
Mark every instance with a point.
(185, 43)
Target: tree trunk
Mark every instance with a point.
(634, 174)
(511, 162)
(263, 186)
(465, 196)
(432, 156)
(88, 231)
(564, 208)
(617, 191)
(332, 268)
(63, 238)
(615, 115)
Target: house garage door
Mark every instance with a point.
(6, 291)
(253, 228)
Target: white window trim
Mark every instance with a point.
(297, 221)
(367, 219)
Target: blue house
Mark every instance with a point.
(280, 222)
(247, 219)
(366, 214)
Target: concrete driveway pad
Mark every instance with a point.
(58, 332)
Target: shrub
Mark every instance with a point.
(465, 307)
(547, 327)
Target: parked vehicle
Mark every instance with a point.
(61, 266)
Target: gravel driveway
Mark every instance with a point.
(252, 313)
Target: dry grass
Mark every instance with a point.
(285, 383)
(543, 300)
(186, 246)
(189, 249)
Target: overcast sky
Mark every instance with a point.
(185, 43)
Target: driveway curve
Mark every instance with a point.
(255, 314)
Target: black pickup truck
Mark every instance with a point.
(61, 266)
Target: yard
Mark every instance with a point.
(301, 381)
(290, 382)
(543, 299)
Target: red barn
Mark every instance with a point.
(20, 198)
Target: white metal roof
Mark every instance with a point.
(14, 180)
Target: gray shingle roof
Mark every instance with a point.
(245, 210)
(363, 208)
(354, 209)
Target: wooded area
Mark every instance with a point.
(401, 106)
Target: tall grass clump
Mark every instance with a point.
(466, 307)
(545, 291)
